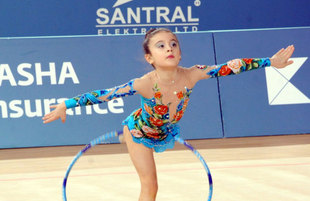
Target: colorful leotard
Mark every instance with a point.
(151, 124)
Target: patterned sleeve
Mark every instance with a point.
(235, 66)
(100, 96)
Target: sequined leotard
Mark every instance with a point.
(151, 124)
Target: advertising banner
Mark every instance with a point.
(39, 72)
(105, 17)
(266, 101)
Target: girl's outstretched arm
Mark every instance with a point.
(100, 96)
(236, 66)
(94, 97)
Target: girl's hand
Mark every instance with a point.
(59, 112)
(281, 58)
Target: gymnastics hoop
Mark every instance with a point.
(190, 147)
(114, 134)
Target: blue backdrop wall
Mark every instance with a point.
(92, 17)
(270, 101)
(38, 71)
(47, 70)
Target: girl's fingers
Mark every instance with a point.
(285, 51)
(279, 52)
(285, 54)
(46, 116)
(52, 118)
(46, 121)
(49, 114)
(290, 52)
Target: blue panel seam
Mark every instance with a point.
(218, 88)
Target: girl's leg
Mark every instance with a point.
(143, 160)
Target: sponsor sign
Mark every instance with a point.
(136, 16)
(266, 101)
(46, 71)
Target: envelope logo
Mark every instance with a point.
(280, 90)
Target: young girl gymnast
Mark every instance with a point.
(164, 96)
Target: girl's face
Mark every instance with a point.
(165, 50)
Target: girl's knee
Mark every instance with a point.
(149, 191)
(150, 185)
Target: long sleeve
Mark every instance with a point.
(100, 96)
(236, 66)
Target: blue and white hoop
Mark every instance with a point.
(103, 139)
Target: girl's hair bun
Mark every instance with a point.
(149, 32)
